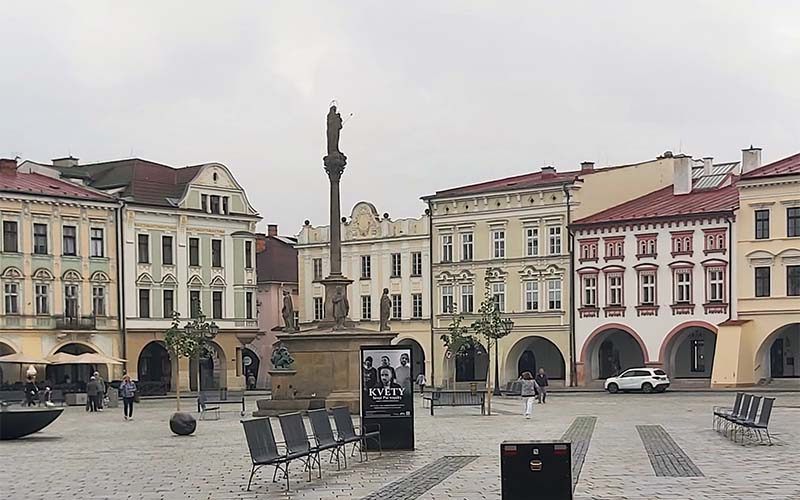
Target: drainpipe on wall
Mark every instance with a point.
(730, 270)
(571, 248)
(430, 289)
(121, 282)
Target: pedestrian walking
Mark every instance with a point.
(541, 381)
(528, 391)
(421, 383)
(30, 391)
(102, 384)
(251, 381)
(92, 393)
(127, 389)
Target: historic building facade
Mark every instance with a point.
(653, 276)
(58, 274)
(761, 342)
(188, 246)
(511, 235)
(377, 253)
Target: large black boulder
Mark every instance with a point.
(182, 424)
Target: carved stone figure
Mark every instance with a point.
(334, 126)
(281, 359)
(341, 308)
(386, 310)
(287, 312)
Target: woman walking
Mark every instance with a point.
(127, 390)
(528, 391)
(31, 391)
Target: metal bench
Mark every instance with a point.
(208, 401)
(298, 446)
(347, 433)
(264, 449)
(12, 396)
(323, 435)
(513, 388)
(720, 412)
(457, 398)
(762, 424)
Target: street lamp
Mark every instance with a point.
(506, 324)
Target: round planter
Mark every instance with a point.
(182, 424)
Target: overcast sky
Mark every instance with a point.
(443, 93)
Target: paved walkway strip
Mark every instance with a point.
(579, 434)
(421, 480)
(666, 457)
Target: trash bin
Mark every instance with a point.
(543, 468)
(113, 398)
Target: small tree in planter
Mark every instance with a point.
(491, 326)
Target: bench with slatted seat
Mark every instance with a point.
(11, 397)
(720, 412)
(210, 401)
(264, 449)
(762, 424)
(457, 398)
(298, 447)
(347, 433)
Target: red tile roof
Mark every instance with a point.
(664, 203)
(787, 166)
(42, 185)
(523, 181)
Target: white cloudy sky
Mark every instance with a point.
(443, 92)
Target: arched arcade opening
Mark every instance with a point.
(532, 353)
(610, 351)
(155, 368)
(688, 352)
(777, 355)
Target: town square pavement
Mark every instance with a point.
(100, 456)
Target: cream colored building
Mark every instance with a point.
(512, 234)
(377, 252)
(762, 342)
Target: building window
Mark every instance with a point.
(366, 267)
(316, 266)
(96, 241)
(416, 305)
(204, 202)
(554, 237)
(216, 305)
(10, 236)
(69, 238)
(466, 246)
(531, 295)
(194, 251)
(588, 249)
(615, 289)
(792, 222)
(99, 300)
(467, 298)
(447, 299)
(396, 265)
(683, 286)
(248, 304)
(615, 248)
(194, 303)
(366, 307)
(215, 206)
(646, 245)
(532, 241)
(144, 248)
(554, 295)
(715, 241)
(447, 248)
(216, 253)
(319, 308)
(71, 301)
(11, 296)
(793, 281)
(168, 302)
(248, 254)
(499, 296)
(166, 250)
(416, 264)
(762, 224)
(647, 288)
(42, 298)
(590, 290)
(397, 306)
(763, 282)
(225, 200)
(40, 239)
(144, 303)
(499, 244)
(716, 284)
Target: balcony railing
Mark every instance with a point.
(70, 323)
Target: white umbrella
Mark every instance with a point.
(23, 359)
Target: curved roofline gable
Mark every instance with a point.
(205, 166)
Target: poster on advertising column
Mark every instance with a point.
(387, 395)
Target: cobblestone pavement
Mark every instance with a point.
(100, 456)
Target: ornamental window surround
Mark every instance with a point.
(614, 248)
(682, 243)
(646, 245)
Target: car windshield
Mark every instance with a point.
(660, 372)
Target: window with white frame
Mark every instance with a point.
(366, 267)
(531, 295)
(11, 297)
(71, 301)
(532, 241)
(416, 305)
(683, 286)
(589, 290)
(396, 265)
(447, 248)
(716, 284)
(554, 295)
(499, 243)
(319, 308)
(467, 298)
(69, 238)
(366, 307)
(316, 266)
(447, 299)
(647, 288)
(416, 264)
(466, 246)
(614, 289)
(42, 292)
(97, 244)
(397, 306)
(554, 240)
(499, 296)
(99, 300)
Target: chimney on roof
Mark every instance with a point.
(682, 175)
(751, 159)
(272, 230)
(69, 161)
(708, 162)
(548, 172)
(587, 166)
(8, 166)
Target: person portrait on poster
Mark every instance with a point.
(382, 393)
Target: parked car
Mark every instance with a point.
(639, 379)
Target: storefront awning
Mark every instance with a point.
(23, 359)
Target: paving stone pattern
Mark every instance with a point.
(418, 482)
(666, 457)
(580, 435)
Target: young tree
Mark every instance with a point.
(458, 337)
(182, 343)
(489, 325)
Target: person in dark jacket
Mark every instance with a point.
(541, 380)
(30, 391)
(92, 393)
(127, 390)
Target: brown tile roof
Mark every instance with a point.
(787, 166)
(524, 181)
(277, 262)
(42, 185)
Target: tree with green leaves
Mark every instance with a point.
(489, 325)
(183, 343)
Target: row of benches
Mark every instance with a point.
(744, 417)
(265, 450)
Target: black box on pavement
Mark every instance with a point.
(536, 470)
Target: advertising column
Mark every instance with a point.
(387, 395)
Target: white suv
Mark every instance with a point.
(645, 379)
